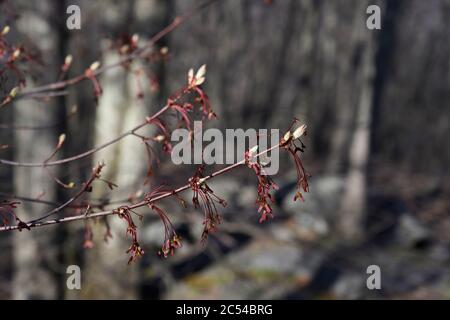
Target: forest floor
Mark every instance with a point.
(297, 255)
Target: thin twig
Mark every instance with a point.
(137, 205)
(141, 52)
(86, 153)
(97, 203)
(95, 174)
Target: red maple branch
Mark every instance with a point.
(139, 204)
(56, 87)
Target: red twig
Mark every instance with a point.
(138, 53)
(97, 203)
(86, 153)
(139, 204)
(86, 187)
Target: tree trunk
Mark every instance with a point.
(353, 205)
(108, 274)
(35, 253)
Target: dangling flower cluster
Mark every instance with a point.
(194, 83)
(88, 236)
(135, 249)
(172, 240)
(151, 153)
(164, 137)
(293, 144)
(7, 211)
(184, 109)
(265, 185)
(108, 234)
(205, 199)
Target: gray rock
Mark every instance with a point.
(350, 286)
(311, 226)
(410, 230)
(262, 270)
(225, 187)
(323, 197)
(152, 234)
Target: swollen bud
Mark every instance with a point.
(253, 150)
(286, 136)
(13, 93)
(200, 75)
(160, 138)
(164, 50)
(94, 66)
(16, 53)
(73, 110)
(135, 38)
(68, 60)
(5, 30)
(300, 131)
(190, 76)
(61, 140)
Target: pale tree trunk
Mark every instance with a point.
(354, 200)
(108, 275)
(35, 253)
(350, 63)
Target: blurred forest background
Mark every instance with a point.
(377, 107)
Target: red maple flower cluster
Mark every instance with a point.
(184, 109)
(88, 237)
(204, 198)
(265, 186)
(302, 175)
(164, 137)
(88, 242)
(171, 239)
(200, 98)
(135, 249)
(295, 147)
